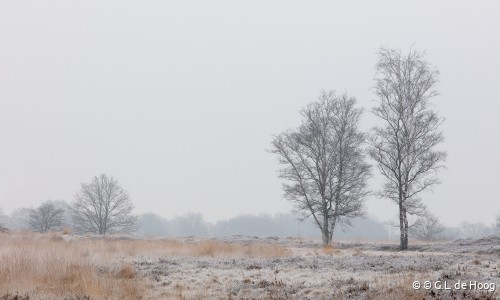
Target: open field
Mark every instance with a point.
(63, 266)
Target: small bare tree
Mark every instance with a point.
(427, 228)
(324, 163)
(102, 207)
(46, 217)
(404, 146)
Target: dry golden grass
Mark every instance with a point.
(49, 267)
(127, 271)
(168, 248)
(55, 266)
(330, 250)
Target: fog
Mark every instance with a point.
(279, 225)
(179, 102)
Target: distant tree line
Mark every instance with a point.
(280, 225)
(286, 225)
(3, 221)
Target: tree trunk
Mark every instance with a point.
(326, 232)
(403, 228)
(405, 241)
(332, 230)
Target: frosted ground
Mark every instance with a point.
(60, 265)
(354, 270)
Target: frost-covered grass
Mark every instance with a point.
(62, 266)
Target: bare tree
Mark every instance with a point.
(427, 228)
(46, 217)
(404, 146)
(102, 207)
(324, 163)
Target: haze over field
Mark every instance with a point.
(179, 101)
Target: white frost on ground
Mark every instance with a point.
(350, 270)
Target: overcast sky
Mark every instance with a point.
(179, 100)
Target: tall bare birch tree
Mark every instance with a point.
(404, 146)
(103, 206)
(323, 163)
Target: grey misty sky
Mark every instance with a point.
(179, 100)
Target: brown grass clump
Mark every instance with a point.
(67, 230)
(330, 250)
(210, 248)
(127, 271)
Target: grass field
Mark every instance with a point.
(63, 266)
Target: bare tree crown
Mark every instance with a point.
(103, 207)
(46, 217)
(404, 147)
(324, 163)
